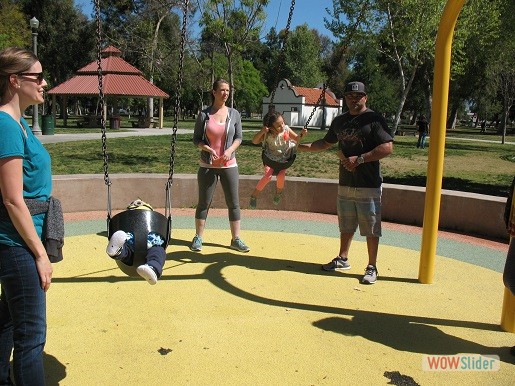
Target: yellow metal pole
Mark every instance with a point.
(437, 139)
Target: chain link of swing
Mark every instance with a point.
(271, 106)
(177, 106)
(320, 99)
(101, 89)
(345, 45)
(101, 97)
(281, 56)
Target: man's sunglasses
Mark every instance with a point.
(354, 95)
(39, 75)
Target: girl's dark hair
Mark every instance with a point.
(270, 118)
(14, 60)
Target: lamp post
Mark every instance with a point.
(34, 25)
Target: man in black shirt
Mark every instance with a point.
(363, 139)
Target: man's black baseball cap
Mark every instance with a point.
(355, 87)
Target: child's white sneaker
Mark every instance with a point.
(116, 243)
(147, 273)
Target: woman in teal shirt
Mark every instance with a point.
(25, 269)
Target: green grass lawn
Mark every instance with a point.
(470, 166)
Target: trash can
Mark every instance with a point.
(114, 122)
(47, 125)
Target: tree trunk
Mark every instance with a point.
(504, 121)
(451, 121)
(402, 101)
(150, 101)
(429, 101)
(229, 71)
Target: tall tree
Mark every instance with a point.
(404, 32)
(273, 70)
(249, 88)
(234, 24)
(501, 72)
(148, 33)
(303, 57)
(477, 35)
(66, 38)
(14, 30)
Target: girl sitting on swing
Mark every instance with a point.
(279, 151)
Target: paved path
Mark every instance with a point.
(168, 131)
(110, 134)
(272, 316)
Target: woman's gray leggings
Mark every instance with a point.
(207, 179)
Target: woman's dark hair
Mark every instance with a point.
(217, 83)
(14, 60)
(270, 118)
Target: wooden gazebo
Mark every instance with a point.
(120, 80)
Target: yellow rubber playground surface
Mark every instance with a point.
(272, 316)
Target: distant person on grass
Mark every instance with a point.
(363, 138)
(423, 129)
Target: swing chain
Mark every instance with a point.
(102, 108)
(101, 90)
(281, 57)
(320, 99)
(177, 105)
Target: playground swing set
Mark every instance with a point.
(142, 221)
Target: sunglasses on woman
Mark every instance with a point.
(39, 76)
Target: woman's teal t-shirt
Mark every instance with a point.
(37, 171)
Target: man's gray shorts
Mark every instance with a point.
(359, 207)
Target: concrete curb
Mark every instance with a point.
(468, 213)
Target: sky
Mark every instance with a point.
(311, 12)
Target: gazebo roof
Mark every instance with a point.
(119, 79)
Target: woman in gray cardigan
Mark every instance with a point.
(218, 134)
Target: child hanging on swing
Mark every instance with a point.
(279, 151)
(121, 247)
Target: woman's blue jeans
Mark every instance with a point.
(509, 268)
(22, 318)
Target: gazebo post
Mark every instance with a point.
(65, 111)
(54, 108)
(150, 106)
(161, 113)
(104, 113)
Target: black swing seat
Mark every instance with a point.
(277, 166)
(139, 222)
